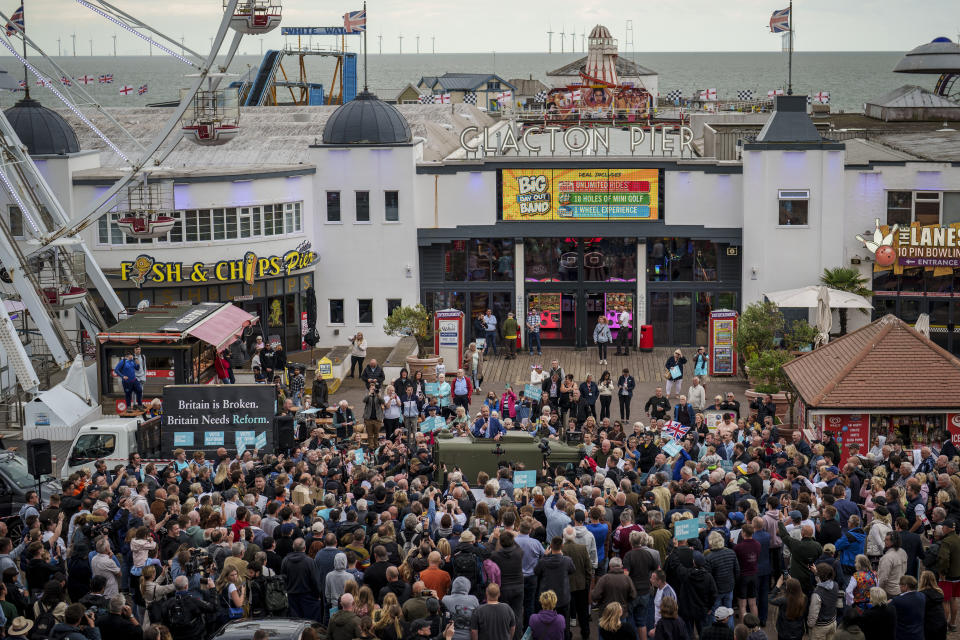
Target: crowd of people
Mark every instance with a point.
(361, 530)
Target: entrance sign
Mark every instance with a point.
(448, 337)
(723, 354)
(212, 416)
(581, 194)
(575, 139)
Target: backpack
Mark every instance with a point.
(177, 615)
(932, 556)
(275, 595)
(465, 564)
(44, 623)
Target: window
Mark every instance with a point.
(363, 206)
(493, 85)
(391, 203)
(16, 222)
(551, 259)
(392, 305)
(336, 312)
(364, 311)
(681, 260)
(899, 207)
(245, 222)
(479, 261)
(333, 206)
(219, 224)
(176, 231)
(291, 212)
(926, 208)
(793, 208)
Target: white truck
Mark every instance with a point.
(113, 440)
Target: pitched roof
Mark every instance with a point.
(625, 68)
(527, 86)
(911, 95)
(461, 81)
(860, 371)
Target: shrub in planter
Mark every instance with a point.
(411, 321)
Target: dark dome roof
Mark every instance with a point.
(366, 120)
(42, 130)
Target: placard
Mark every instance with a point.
(686, 529)
(244, 438)
(325, 368)
(532, 391)
(431, 388)
(436, 423)
(702, 517)
(524, 479)
(713, 419)
(358, 456)
(218, 412)
(723, 354)
(671, 448)
(953, 425)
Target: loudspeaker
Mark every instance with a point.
(285, 437)
(39, 457)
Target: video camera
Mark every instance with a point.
(199, 562)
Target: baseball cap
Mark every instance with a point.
(795, 515)
(950, 522)
(832, 470)
(722, 613)
(736, 516)
(317, 526)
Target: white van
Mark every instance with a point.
(113, 440)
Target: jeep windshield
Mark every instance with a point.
(15, 469)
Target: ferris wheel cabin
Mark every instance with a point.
(212, 118)
(255, 17)
(146, 212)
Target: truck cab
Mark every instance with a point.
(112, 440)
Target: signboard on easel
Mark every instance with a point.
(723, 351)
(448, 337)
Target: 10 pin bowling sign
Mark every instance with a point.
(953, 424)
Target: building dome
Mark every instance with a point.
(366, 120)
(939, 56)
(600, 31)
(42, 130)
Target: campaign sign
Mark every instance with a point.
(703, 515)
(243, 438)
(431, 388)
(226, 415)
(524, 479)
(432, 424)
(358, 456)
(672, 448)
(532, 391)
(686, 529)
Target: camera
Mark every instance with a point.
(544, 447)
(96, 529)
(199, 562)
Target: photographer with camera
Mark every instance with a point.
(78, 624)
(183, 612)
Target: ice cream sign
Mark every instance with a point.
(915, 246)
(246, 268)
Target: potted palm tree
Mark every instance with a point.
(846, 279)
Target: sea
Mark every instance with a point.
(851, 78)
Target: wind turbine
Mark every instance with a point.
(381, 43)
(550, 39)
(562, 39)
(73, 36)
(418, 45)
(433, 44)
(401, 43)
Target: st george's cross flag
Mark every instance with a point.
(708, 94)
(442, 99)
(126, 90)
(822, 97)
(85, 79)
(355, 21)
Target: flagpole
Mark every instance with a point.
(23, 34)
(790, 55)
(365, 45)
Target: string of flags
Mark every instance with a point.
(743, 95)
(104, 78)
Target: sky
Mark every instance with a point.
(510, 26)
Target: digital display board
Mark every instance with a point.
(580, 194)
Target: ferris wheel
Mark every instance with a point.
(42, 265)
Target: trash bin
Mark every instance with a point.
(646, 337)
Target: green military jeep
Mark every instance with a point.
(473, 455)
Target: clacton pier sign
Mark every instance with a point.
(552, 139)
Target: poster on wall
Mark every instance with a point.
(548, 304)
(953, 425)
(211, 416)
(615, 301)
(581, 194)
(723, 354)
(848, 429)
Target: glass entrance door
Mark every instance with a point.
(672, 317)
(558, 316)
(607, 304)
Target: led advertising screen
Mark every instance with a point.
(581, 194)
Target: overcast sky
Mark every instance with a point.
(511, 26)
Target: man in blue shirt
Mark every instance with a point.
(127, 370)
(533, 330)
(490, 332)
(488, 425)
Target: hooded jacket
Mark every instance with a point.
(849, 545)
(584, 537)
(336, 579)
(510, 561)
(302, 577)
(553, 572)
(64, 631)
(547, 625)
(460, 605)
(344, 625)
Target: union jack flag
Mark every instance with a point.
(442, 99)
(66, 81)
(675, 429)
(780, 21)
(126, 89)
(85, 79)
(142, 90)
(22, 84)
(16, 20)
(43, 82)
(106, 78)
(355, 21)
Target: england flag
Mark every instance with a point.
(774, 92)
(822, 97)
(126, 90)
(708, 94)
(442, 99)
(505, 96)
(85, 79)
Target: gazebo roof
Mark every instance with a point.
(884, 365)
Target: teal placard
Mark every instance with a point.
(243, 438)
(523, 479)
(358, 456)
(213, 438)
(432, 424)
(532, 391)
(262, 440)
(686, 529)
(702, 517)
(672, 448)
(431, 388)
(183, 439)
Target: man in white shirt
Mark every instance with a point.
(697, 395)
(658, 580)
(490, 332)
(623, 333)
